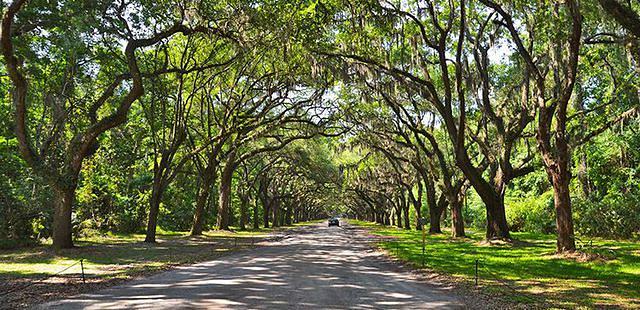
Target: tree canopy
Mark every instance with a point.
(191, 115)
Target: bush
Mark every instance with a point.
(25, 210)
(532, 214)
(615, 216)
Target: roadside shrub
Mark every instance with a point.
(616, 215)
(532, 214)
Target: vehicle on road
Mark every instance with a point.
(334, 222)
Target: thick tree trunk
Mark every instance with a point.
(435, 215)
(457, 219)
(564, 219)
(224, 202)
(154, 208)
(493, 198)
(435, 208)
(201, 204)
(62, 227)
(417, 207)
(497, 227)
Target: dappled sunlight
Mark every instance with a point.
(321, 268)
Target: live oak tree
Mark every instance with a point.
(59, 120)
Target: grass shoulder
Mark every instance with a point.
(526, 270)
(111, 258)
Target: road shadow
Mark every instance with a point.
(315, 268)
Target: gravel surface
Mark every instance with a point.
(312, 267)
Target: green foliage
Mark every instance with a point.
(532, 214)
(616, 215)
(24, 213)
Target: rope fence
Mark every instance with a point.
(44, 278)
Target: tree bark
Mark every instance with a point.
(435, 215)
(564, 220)
(154, 208)
(457, 219)
(497, 227)
(62, 226)
(224, 201)
(201, 201)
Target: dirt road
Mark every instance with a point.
(314, 267)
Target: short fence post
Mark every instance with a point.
(476, 272)
(82, 268)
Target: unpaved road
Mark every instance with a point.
(314, 267)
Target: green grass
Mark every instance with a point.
(529, 266)
(122, 255)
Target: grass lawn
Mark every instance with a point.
(107, 259)
(527, 270)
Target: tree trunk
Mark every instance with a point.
(456, 219)
(435, 215)
(224, 201)
(497, 227)
(62, 226)
(201, 204)
(564, 220)
(154, 208)
(435, 207)
(492, 197)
